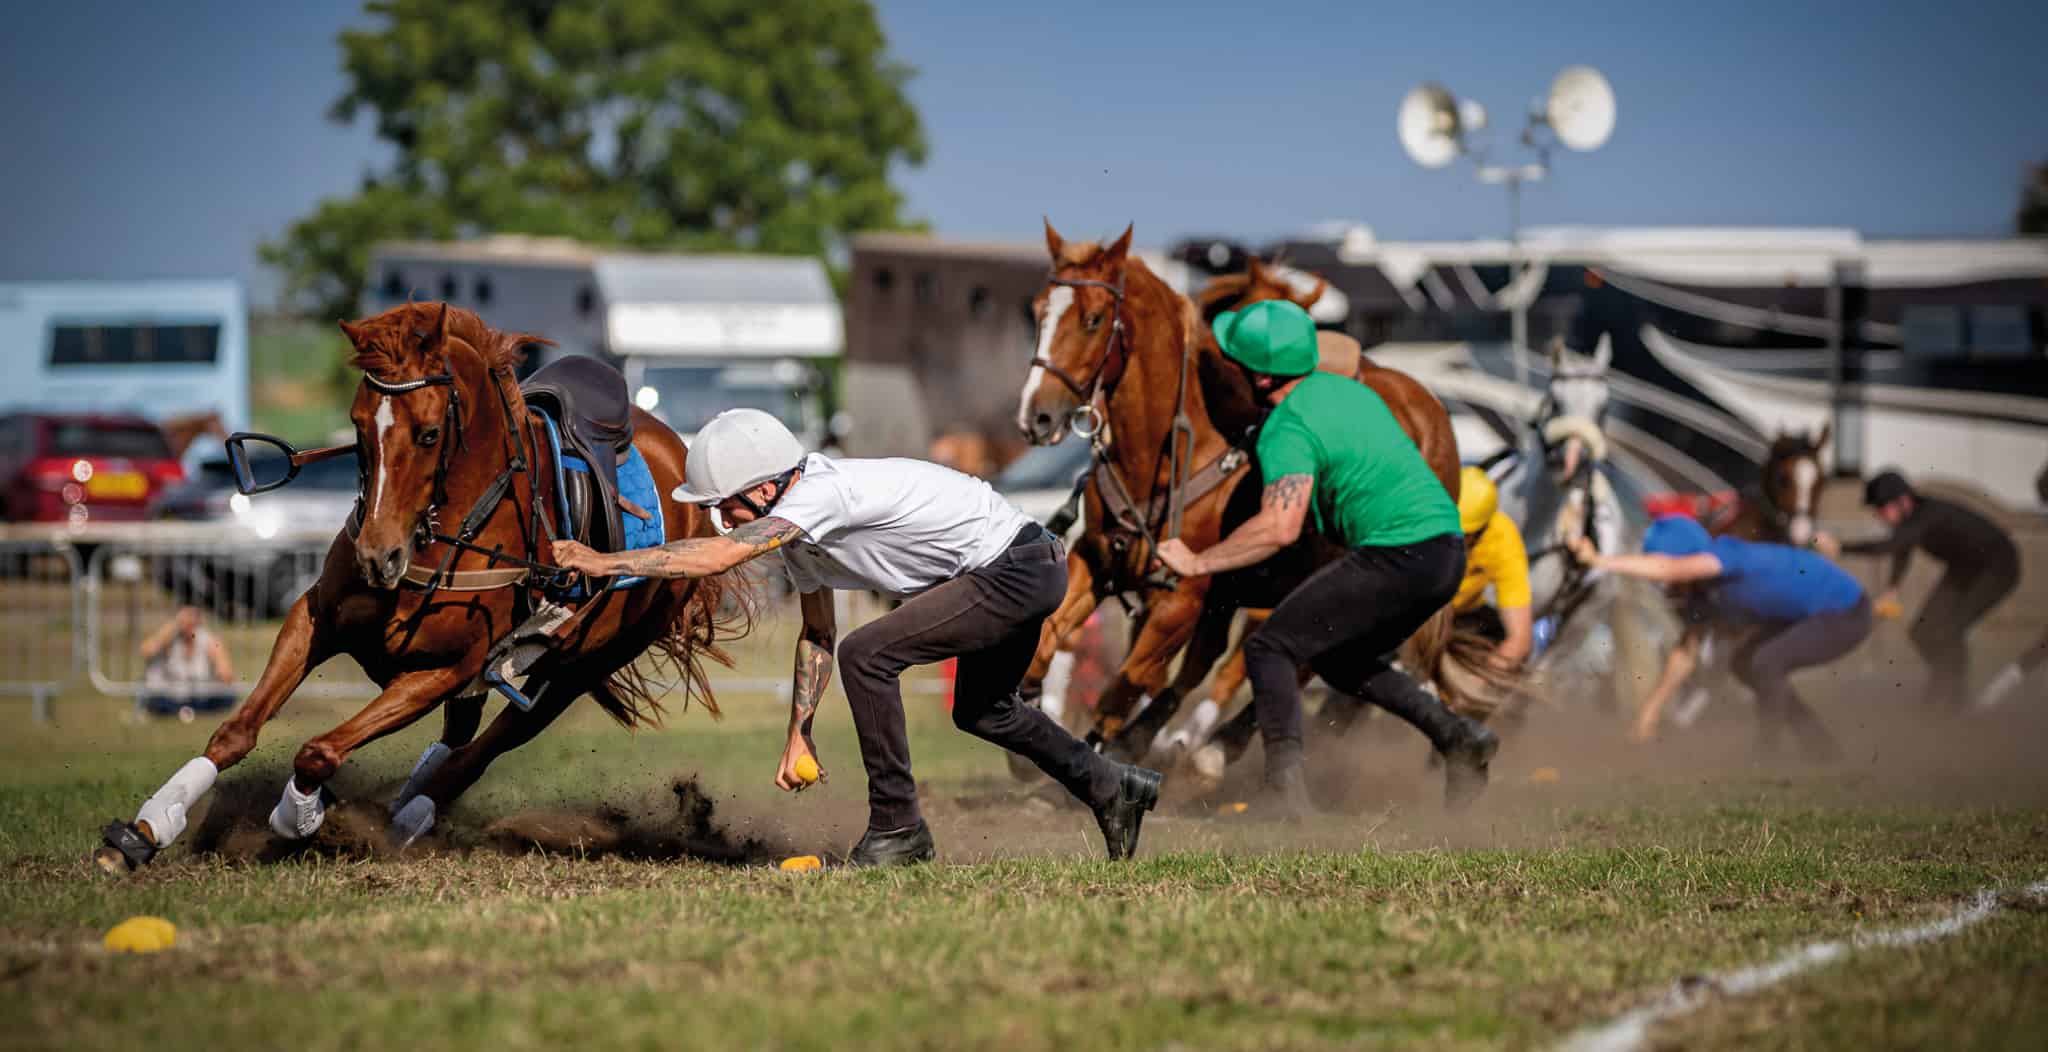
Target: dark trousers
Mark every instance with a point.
(1941, 631)
(1345, 622)
(990, 619)
(1765, 664)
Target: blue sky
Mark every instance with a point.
(153, 140)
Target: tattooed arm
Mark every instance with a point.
(690, 557)
(1282, 509)
(813, 674)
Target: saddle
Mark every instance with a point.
(585, 400)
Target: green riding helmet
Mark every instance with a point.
(1275, 337)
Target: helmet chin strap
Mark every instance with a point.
(761, 512)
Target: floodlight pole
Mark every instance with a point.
(1518, 312)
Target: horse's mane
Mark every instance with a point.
(1791, 445)
(391, 341)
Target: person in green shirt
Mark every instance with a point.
(1330, 446)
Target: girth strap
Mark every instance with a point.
(422, 576)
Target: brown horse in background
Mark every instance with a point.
(441, 427)
(1117, 341)
(1784, 507)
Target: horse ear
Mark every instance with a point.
(353, 331)
(1254, 269)
(1054, 243)
(1314, 294)
(1827, 431)
(1603, 353)
(1121, 247)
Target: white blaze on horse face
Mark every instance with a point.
(1056, 304)
(384, 419)
(1805, 486)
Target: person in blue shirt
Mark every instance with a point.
(1804, 610)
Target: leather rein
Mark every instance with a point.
(1131, 519)
(480, 512)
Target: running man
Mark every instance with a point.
(1331, 444)
(979, 578)
(1495, 557)
(1981, 567)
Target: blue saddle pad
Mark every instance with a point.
(636, 484)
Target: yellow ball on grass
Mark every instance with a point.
(141, 935)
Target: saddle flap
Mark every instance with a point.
(588, 398)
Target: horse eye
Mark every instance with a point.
(1093, 321)
(429, 436)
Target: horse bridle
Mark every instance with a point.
(1115, 356)
(428, 532)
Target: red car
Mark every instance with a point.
(81, 467)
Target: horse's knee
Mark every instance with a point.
(231, 742)
(316, 762)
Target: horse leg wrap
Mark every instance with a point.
(164, 814)
(1058, 676)
(412, 822)
(297, 815)
(430, 761)
(2002, 686)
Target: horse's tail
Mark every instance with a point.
(1460, 663)
(713, 611)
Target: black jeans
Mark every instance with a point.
(1940, 632)
(990, 619)
(1765, 665)
(1345, 622)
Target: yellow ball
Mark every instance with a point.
(1545, 776)
(141, 935)
(801, 863)
(806, 769)
(1889, 609)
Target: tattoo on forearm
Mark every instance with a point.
(813, 673)
(1288, 491)
(766, 534)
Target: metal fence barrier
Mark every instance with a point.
(41, 647)
(77, 606)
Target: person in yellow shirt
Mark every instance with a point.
(1494, 557)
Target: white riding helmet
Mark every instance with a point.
(737, 449)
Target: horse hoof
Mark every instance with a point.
(123, 849)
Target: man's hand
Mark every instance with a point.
(1178, 557)
(785, 777)
(1645, 729)
(1583, 549)
(1827, 544)
(1888, 606)
(574, 555)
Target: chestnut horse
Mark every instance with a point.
(442, 431)
(1785, 505)
(1121, 350)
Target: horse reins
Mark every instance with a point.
(486, 505)
(1180, 436)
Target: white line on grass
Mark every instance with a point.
(1627, 1031)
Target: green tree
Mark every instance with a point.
(2033, 211)
(729, 125)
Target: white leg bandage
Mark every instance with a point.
(1058, 676)
(165, 812)
(430, 761)
(412, 822)
(1203, 720)
(297, 815)
(1689, 707)
(2001, 687)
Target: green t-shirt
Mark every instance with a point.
(1372, 486)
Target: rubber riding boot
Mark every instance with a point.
(1137, 791)
(894, 847)
(1466, 760)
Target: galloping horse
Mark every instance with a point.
(442, 430)
(1127, 360)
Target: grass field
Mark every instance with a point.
(1553, 906)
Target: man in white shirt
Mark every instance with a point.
(979, 578)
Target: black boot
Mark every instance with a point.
(1137, 791)
(1466, 760)
(894, 847)
(1285, 795)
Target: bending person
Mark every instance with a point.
(980, 579)
(1981, 566)
(1807, 612)
(1495, 558)
(1330, 443)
